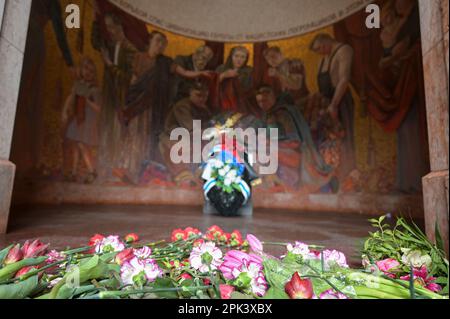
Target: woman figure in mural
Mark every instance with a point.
(301, 166)
(147, 104)
(333, 80)
(286, 76)
(234, 82)
(118, 54)
(80, 115)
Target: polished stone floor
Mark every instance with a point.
(72, 226)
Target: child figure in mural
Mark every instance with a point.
(234, 82)
(301, 166)
(80, 116)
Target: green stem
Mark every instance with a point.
(362, 292)
(110, 294)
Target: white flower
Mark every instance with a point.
(227, 181)
(232, 174)
(299, 248)
(227, 168)
(143, 253)
(109, 244)
(416, 258)
(222, 172)
(332, 257)
(136, 271)
(204, 256)
(217, 164)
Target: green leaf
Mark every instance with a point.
(275, 293)
(441, 280)
(163, 283)
(9, 271)
(19, 290)
(239, 295)
(4, 253)
(88, 269)
(439, 241)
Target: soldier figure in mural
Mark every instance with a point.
(182, 115)
(148, 102)
(118, 54)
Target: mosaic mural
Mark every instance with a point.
(97, 104)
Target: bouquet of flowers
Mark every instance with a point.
(404, 252)
(192, 265)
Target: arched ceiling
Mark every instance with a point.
(241, 20)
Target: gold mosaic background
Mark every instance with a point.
(58, 83)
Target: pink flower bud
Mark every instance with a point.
(35, 249)
(14, 255)
(255, 243)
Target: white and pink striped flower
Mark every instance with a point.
(205, 257)
(137, 272)
(143, 253)
(245, 269)
(109, 244)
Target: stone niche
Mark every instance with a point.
(7, 170)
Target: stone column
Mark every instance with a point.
(434, 27)
(14, 16)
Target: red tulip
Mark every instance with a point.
(299, 288)
(124, 256)
(14, 255)
(131, 238)
(95, 239)
(24, 271)
(226, 291)
(35, 249)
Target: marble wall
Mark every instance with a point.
(434, 24)
(13, 33)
